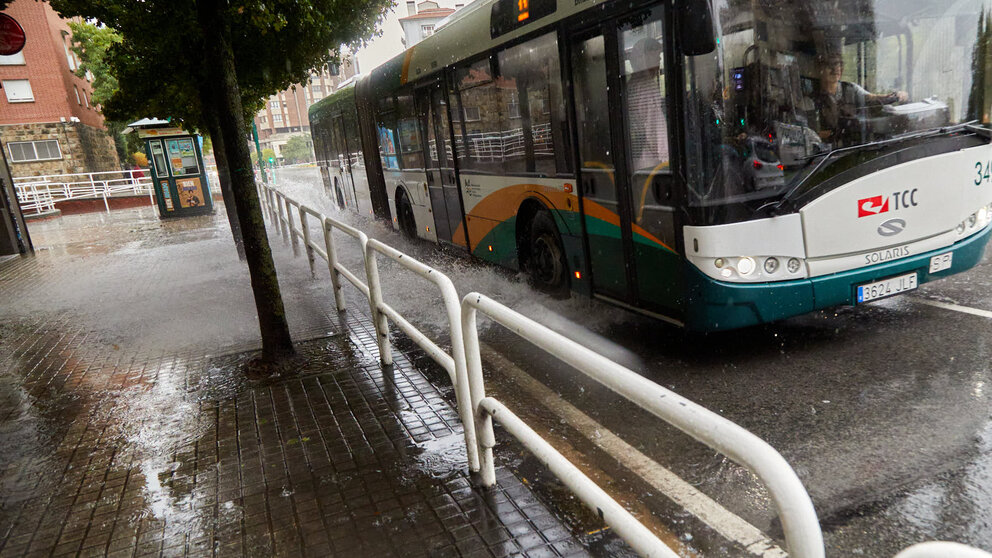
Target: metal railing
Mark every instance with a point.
(382, 313)
(942, 549)
(34, 192)
(795, 509)
(477, 411)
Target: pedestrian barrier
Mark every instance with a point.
(42, 192)
(382, 313)
(795, 510)
(477, 411)
(942, 549)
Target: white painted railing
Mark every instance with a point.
(941, 549)
(803, 536)
(382, 313)
(36, 192)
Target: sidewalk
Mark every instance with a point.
(126, 430)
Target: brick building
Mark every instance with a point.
(285, 113)
(47, 123)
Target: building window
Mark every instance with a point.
(68, 55)
(274, 105)
(18, 90)
(277, 118)
(316, 88)
(13, 60)
(45, 150)
(427, 30)
(263, 119)
(472, 114)
(86, 99)
(79, 101)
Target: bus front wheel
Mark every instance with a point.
(546, 265)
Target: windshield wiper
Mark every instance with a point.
(835, 153)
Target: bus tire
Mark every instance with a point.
(546, 265)
(404, 215)
(338, 193)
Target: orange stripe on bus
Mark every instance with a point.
(405, 72)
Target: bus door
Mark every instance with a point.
(346, 195)
(445, 201)
(625, 181)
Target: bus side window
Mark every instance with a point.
(408, 132)
(480, 141)
(532, 108)
(385, 123)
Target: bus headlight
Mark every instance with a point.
(745, 266)
(771, 265)
(793, 265)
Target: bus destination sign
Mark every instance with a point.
(507, 15)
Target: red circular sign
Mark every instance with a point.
(11, 36)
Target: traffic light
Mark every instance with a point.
(272, 161)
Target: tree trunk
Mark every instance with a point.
(223, 171)
(224, 92)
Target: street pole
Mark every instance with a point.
(258, 150)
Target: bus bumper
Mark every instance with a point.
(716, 305)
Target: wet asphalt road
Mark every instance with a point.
(883, 409)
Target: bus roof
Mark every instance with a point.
(460, 38)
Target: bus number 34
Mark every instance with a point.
(983, 171)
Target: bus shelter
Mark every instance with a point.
(176, 163)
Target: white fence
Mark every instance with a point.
(38, 194)
(803, 536)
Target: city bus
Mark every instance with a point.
(712, 163)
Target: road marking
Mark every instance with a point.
(720, 519)
(955, 307)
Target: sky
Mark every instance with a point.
(388, 44)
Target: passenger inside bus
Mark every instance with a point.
(646, 107)
(840, 105)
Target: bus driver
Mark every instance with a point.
(838, 103)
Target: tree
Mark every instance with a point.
(90, 43)
(267, 154)
(209, 64)
(297, 150)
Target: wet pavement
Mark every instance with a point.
(126, 428)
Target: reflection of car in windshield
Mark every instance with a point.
(763, 168)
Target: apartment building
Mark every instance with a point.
(48, 125)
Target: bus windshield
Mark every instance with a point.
(798, 83)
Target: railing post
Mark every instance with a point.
(484, 435)
(332, 264)
(106, 191)
(281, 202)
(289, 225)
(375, 299)
(306, 240)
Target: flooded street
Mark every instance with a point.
(882, 409)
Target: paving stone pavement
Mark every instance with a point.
(126, 428)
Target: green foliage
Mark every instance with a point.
(208, 145)
(297, 150)
(90, 43)
(267, 154)
(158, 62)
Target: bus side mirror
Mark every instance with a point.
(695, 23)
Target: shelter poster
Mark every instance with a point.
(190, 192)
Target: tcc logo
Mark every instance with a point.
(872, 206)
(880, 204)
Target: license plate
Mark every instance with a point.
(886, 287)
(940, 262)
